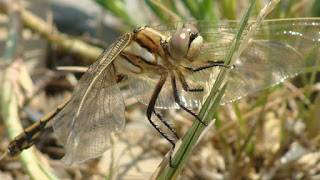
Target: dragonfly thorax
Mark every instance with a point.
(150, 51)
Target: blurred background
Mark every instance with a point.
(273, 134)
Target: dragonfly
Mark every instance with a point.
(167, 67)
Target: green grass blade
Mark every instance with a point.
(118, 8)
(206, 112)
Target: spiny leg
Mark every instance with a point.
(185, 84)
(210, 65)
(164, 135)
(177, 99)
(152, 103)
(191, 70)
(166, 124)
(150, 109)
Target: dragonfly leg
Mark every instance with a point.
(119, 78)
(150, 109)
(177, 99)
(185, 84)
(166, 123)
(210, 65)
(160, 131)
(165, 135)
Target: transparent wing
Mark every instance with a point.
(142, 87)
(280, 49)
(95, 111)
(263, 64)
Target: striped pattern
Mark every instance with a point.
(144, 54)
(32, 133)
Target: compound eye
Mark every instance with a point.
(190, 28)
(179, 44)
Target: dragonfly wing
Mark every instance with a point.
(263, 64)
(95, 111)
(279, 49)
(142, 87)
(276, 52)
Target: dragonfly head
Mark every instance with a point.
(185, 43)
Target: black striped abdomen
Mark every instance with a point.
(32, 133)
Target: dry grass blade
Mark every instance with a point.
(43, 28)
(271, 134)
(174, 16)
(72, 68)
(12, 97)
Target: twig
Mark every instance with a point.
(64, 41)
(72, 68)
(11, 94)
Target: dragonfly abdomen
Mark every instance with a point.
(32, 133)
